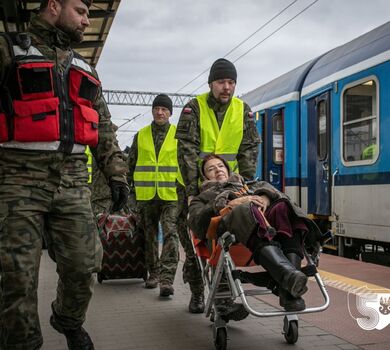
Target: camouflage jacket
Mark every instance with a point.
(188, 135)
(55, 45)
(100, 191)
(158, 132)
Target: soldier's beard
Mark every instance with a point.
(222, 100)
(75, 34)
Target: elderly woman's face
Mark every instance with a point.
(215, 169)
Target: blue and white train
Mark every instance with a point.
(324, 127)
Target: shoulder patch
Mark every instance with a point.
(187, 110)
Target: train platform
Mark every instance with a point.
(124, 315)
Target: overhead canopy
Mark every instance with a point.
(15, 16)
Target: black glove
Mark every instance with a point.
(119, 194)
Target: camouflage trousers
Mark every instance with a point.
(44, 193)
(192, 273)
(152, 213)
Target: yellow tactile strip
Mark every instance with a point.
(346, 284)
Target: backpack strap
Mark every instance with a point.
(6, 105)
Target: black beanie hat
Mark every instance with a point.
(222, 69)
(163, 100)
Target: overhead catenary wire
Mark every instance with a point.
(242, 42)
(260, 28)
(228, 53)
(275, 31)
(132, 119)
(267, 37)
(129, 120)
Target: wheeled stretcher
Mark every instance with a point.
(224, 282)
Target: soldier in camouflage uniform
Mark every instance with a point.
(153, 171)
(100, 191)
(201, 130)
(44, 129)
(101, 199)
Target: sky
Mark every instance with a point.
(161, 45)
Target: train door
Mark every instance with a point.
(260, 126)
(319, 184)
(273, 147)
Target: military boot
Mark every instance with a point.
(230, 310)
(286, 300)
(77, 339)
(166, 289)
(151, 282)
(281, 269)
(196, 305)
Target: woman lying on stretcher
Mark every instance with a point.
(226, 203)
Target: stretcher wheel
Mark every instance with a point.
(220, 340)
(291, 335)
(100, 278)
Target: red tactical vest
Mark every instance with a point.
(48, 109)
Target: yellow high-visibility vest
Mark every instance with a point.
(369, 152)
(89, 163)
(225, 141)
(156, 175)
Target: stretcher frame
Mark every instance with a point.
(212, 276)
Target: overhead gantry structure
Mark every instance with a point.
(142, 98)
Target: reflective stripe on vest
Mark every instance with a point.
(41, 146)
(40, 117)
(89, 163)
(152, 175)
(225, 141)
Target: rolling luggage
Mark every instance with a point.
(123, 247)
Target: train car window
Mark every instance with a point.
(322, 130)
(360, 111)
(277, 138)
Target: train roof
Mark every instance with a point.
(361, 53)
(365, 51)
(282, 89)
(15, 16)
